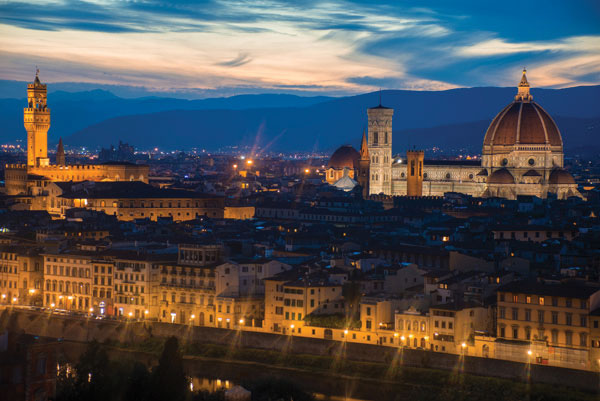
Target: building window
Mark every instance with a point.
(515, 298)
(568, 338)
(583, 321)
(554, 317)
(528, 315)
(541, 300)
(569, 319)
(541, 316)
(515, 314)
(515, 332)
(528, 298)
(583, 339)
(554, 336)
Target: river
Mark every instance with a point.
(212, 375)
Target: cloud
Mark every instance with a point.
(241, 59)
(338, 46)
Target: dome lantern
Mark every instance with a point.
(523, 94)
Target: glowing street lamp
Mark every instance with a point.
(241, 321)
(529, 352)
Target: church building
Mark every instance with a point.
(522, 155)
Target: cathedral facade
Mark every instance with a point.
(522, 155)
(29, 179)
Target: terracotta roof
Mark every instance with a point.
(502, 176)
(523, 123)
(344, 157)
(560, 176)
(532, 173)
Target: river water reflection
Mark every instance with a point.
(217, 374)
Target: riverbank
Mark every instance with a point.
(336, 376)
(419, 370)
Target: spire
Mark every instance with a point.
(60, 154)
(379, 97)
(523, 89)
(37, 76)
(364, 148)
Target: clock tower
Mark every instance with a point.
(36, 118)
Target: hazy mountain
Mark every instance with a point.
(72, 112)
(580, 135)
(287, 122)
(455, 118)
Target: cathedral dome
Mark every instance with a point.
(522, 122)
(344, 157)
(502, 176)
(560, 176)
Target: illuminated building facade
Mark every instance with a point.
(20, 179)
(522, 155)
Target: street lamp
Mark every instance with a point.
(241, 321)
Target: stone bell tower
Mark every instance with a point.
(380, 149)
(36, 118)
(414, 172)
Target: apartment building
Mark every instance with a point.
(412, 328)
(453, 326)
(9, 277)
(68, 280)
(293, 295)
(548, 323)
(102, 287)
(134, 283)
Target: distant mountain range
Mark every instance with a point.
(455, 119)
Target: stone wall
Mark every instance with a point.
(83, 329)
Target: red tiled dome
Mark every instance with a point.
(344, 157)
(524, 123)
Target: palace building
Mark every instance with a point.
(522, 155)
(24, 179)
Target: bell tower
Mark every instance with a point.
(414, 173)
(36, 118)
(380, 149)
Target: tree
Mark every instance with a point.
(93, 377)
(169, 381)
(138, 383)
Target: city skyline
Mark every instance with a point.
(335, 48)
